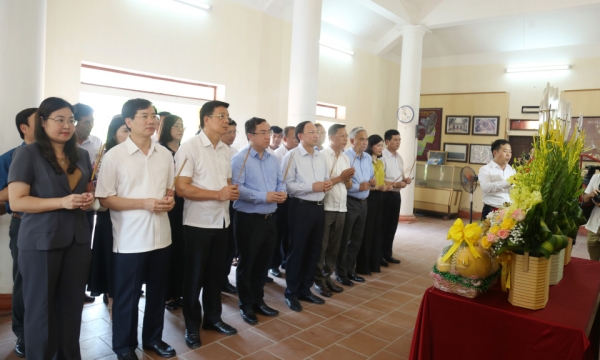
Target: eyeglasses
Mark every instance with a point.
(264, 133)
(179, 127)
(147, 117)
(343, 136)
(312, 132)
(320, 132)
(61, 120)
(232, 132)
(221, 117)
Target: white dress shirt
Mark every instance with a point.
(335, 199)
(495, 188)
(92, 144)
(209, 168)
(394, 167)
(233, 151)
(594, 222)
(304, 171)
(128, 173)
(280, 152)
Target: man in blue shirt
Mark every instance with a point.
(356, 213)
(25, 121)
(259, 179)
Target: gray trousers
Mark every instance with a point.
(334, 227)
(352, 237)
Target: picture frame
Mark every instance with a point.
(429, 132)
(436, 157)
(486, 125)
(480, 153)
(458, 124)
(530, 109)
(457, 152)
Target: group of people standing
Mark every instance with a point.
(173, 216)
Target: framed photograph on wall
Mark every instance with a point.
(456, 152)
(436, 157)
(486, 125)
(480, 154)
(458, 124)
(429, 132)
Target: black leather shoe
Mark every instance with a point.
(192, 340)
(220, 327)
(356, 278)
(323, 291)
(128, 356)
(228, 288)
(344, 281)
(269, 279)
(294, 304)
(312, 298)
(392, 260)
(367, 273)
(384, 263)
(105, 299)
(249, 316)
(20, 347)
(162, 349)
(265, 310)
(275, 272)
(88, 299)
(333, 287)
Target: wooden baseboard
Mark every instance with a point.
(407, 219)
(5, 303)
(465, 214)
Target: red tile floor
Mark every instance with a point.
(372, 320)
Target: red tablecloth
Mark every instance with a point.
(488, 327)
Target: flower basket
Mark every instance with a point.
(529, 282)
(557, 265)
(568, 250)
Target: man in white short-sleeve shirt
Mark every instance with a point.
(205, 184)
(134, 185)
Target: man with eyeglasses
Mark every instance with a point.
(260, 181)
(135, 185)
(356, 214)
(205, 184)
(306, 180)
(228, 138)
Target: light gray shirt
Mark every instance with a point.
(304, 170)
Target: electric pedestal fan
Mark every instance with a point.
(468, 180)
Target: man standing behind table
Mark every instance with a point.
(259, 178)
(356, 215)
(394, 176)
(25, 125)
(493, 176)
(134, 185)
(306, 180)
(281, 216)
(205, 184)
(340, 172)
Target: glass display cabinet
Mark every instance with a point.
(438, 189)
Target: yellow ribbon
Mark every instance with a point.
(504, 260)
(460, 233)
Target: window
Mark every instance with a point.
(331, 111)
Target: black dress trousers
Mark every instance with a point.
(231, 250)
(177, 261)
(391, 212)
(281, 251)
(369, 256)
(101, 279)
(256, 235)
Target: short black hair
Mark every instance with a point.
(300, 129)
(80, 110)
(208, 109)
(496, 145)
(22, 118)
(373, 140)
(163, 113)
(131, 107)
(232, 122)
(276, 129)
(319, 124)
(390, 134)
(287, 129)
(250, 125)
(333, 129)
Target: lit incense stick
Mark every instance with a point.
(177, 177)
(288, 166)
(100, 154)
(244, 163)
(333, 167)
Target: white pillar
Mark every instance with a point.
(22, 48)
(304, 64)
(410, 92)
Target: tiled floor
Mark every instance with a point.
(372, 320)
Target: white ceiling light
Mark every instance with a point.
(196, 4)
(337, 48)
(538, 68)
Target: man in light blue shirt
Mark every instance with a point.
(258, 176)
(306, 178)
(356, 213)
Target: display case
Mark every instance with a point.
(438, 189)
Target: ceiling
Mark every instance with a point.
(461, 30)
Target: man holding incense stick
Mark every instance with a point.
(134, 185)
(307, 180)
(394, 177)
(356, 214)
(205, 184)
(340, 173)
(259, 178)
